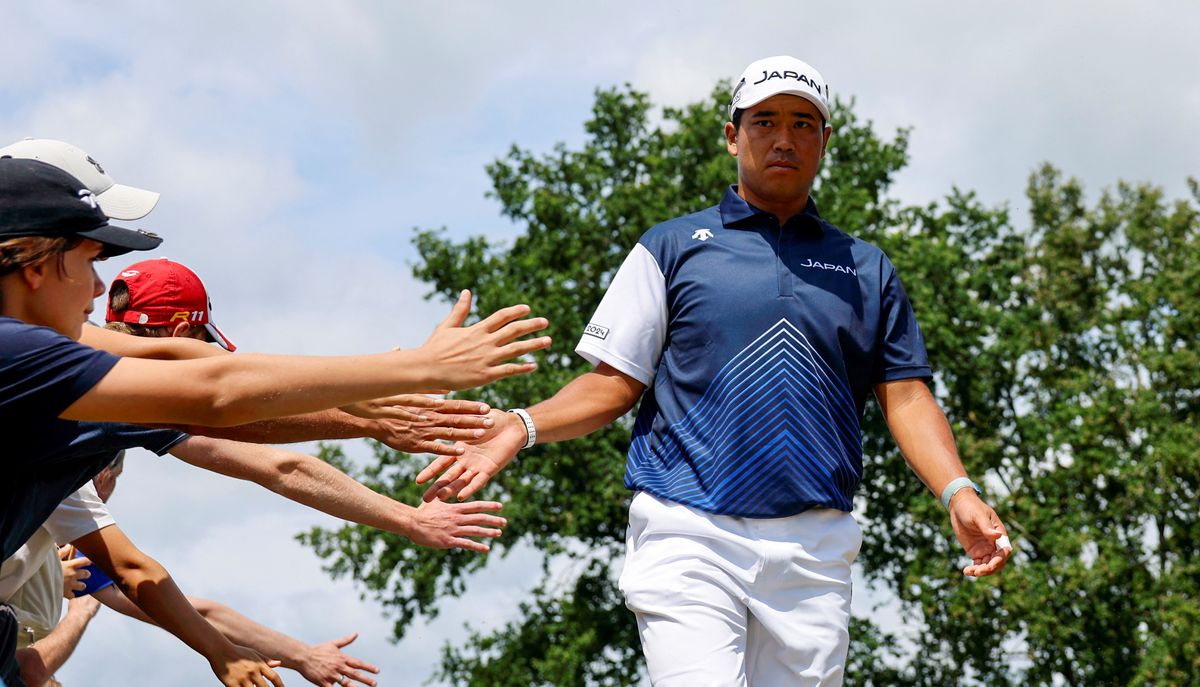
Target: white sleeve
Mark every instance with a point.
(80, 513)
(16, 570)
(630, 325)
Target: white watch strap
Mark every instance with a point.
(530, 430)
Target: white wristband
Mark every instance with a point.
(954, 487)
(530, 430)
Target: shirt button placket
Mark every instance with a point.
(783, 276)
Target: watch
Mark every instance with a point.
(530, 430)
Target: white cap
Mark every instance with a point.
(781, 74)
(116, 200)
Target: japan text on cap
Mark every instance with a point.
(781, 74)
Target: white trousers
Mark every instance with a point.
(739, 602)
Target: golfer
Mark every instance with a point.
(753, 332)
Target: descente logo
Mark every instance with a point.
(596, 331)
(829, 266)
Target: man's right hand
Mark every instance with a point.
(242, 667)
(461, 476)
(463, 357)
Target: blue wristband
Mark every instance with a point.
(954, 487)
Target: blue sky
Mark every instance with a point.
(296, 144)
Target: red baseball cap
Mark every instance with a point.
(163, 293)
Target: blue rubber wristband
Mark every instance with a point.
(954, 487)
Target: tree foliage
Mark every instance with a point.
(1066, 359)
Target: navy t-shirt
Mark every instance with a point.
(42, 373)
(758, 345)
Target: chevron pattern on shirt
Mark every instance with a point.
(776, 431)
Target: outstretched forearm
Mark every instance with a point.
(314, 483)
(300, 478)
(42, 659)
(589, 402)
(150, 587)
(236, 627)
(318, 426)
(242, 630)
(236, 389)
(155, 348)
(320, 664)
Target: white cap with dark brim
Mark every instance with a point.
(118, 201)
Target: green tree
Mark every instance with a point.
(1065, 358)
(1061, 353)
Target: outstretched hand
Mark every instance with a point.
(426, 429)
(86, 606)
(244, 667)
(464, 357)
(326, 665)
(403, 406)
(978, 529)
(441, 525)
(462, 475)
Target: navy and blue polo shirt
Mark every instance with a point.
(758, 345)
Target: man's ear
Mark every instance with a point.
(825, 140)
(180, 329)
(731, 138)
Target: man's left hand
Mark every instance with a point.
(978, 529)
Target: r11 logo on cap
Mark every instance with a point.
(188, 316)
